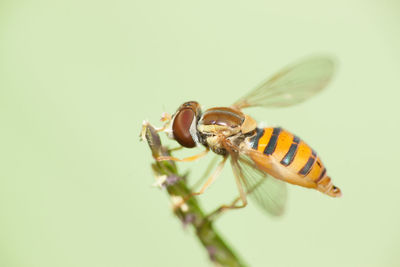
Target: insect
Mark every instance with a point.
(262, 159)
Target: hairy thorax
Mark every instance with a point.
(219, 125)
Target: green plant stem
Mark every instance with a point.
(190, 213)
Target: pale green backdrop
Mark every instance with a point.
(77, 78)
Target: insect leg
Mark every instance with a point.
(147, 124)
(212, 178)
(206, 173)
(215, 214)
(242, 197)
(209, 181)
(165, 117)
(192, 158)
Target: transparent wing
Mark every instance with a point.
(269, 193)
(293, 84)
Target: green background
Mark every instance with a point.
(77, 78)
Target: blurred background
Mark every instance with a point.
(77, 78)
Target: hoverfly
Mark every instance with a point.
(262, 159)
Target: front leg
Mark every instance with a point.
(165, 117)
(188, 159)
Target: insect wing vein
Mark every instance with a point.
(293, 84)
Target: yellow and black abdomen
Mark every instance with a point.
(289, 158)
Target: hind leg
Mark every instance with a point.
(242, 196)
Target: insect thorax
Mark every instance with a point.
(217, 125)
(215, 137)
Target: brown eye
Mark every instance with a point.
(181, 127)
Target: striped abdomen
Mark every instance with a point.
(288, 158)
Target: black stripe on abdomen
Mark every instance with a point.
(254, 139)
(288, 158)
(270, 148)
(307, 168)
(322, 175)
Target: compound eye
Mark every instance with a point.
(181, 127)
